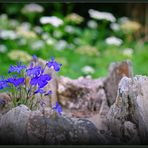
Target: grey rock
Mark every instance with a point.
(49, 128)
(130, 129)
(13, 126)
(116, 72)
(127, 117)
(83, 95)
(22, 126)
(5, 103)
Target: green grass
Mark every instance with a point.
(75, 62)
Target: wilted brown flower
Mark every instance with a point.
(19, 55)
(74, 18)
(130, 26)
(87, 50)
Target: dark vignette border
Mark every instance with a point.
(73, 146)
(74, 1)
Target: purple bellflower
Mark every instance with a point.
(48, 93)
(41, 80)
(34, 76)
(3, 83)
(58, 108)
(35, 71)
(16, 81)
(18, 68)
(54, 64)
(41, 91)
(34, 57)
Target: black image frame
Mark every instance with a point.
(73, 1)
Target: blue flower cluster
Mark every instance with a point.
(57, 108)
(3, 83)
(17, 68)
(36, 76)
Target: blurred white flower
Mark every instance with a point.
(92, 24)
(38, 29)
(74, 18)
(22, 41)
(13, 23)
(60, 45)
(88, 50)
(45, 36)
(101, 15)
(122, 20)
(88, 70)
(115, 26)
(130, 26)
(4, 16)
(19, 55)
(50, 41)
(69, 29)
(25, 26)
(29, 8)
(26, 34)
(57, 34)
(37, 45)
(128, 52)
(3, 48)
(113, 41)
(8, 34)
(25, 31)
(53, 20)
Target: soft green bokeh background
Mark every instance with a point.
(74, 43)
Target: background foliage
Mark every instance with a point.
(84, 41)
